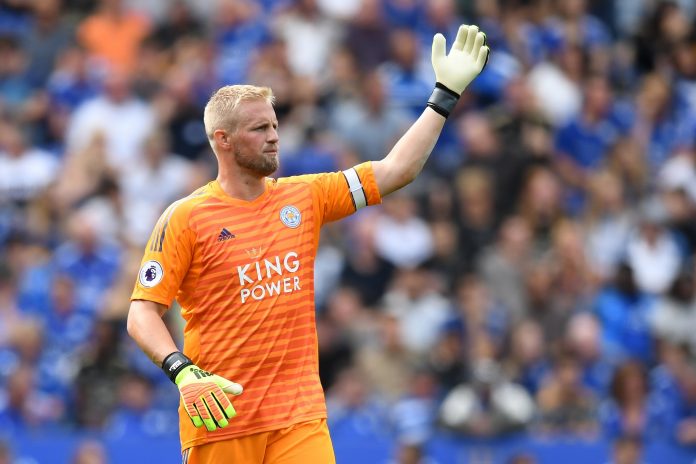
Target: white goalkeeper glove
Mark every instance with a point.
(454, 72)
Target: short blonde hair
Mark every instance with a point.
(219, 111)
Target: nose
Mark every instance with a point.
(272, 136)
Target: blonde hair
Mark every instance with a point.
(219, 111)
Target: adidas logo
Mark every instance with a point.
(225, 235)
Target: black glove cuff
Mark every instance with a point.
(443, 100)
(174, 363)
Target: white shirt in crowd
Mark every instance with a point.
(23, 177)
(403, 243)
(125, 126)
(654, 265)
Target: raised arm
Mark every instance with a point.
(453, 73)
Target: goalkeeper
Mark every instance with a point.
(238, 255)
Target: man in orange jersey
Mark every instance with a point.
(238, 255)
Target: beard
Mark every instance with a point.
(262, 165)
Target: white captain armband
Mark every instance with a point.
(357, 192)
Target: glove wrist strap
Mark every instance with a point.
(174, 363)
(443, 100)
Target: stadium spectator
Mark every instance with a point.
(525, 363)
(680, 414)
(406, 74)
(369, 126)
(26, 406)
(367, 36)
(97, 379)
(583, 338)
(310, 37)
(659, 124)
(565, 406)
(10, 315)
(25, 171)
(437, 16)
(627, 450)
(124, 120)
(629, 411)
(419, 308)
(16, 93)
(113, 35)
(652, 250)
(88, 255)
(238, 31)
(365, 270)
(156, 166)
(414, 415)
(50, 34)
(505, 264)
(673, 317)
(540, 203)
(180, 21)
(628, 161)
(72, 81)
(556, 83)
(386, 363)
(445, 262)
(401, 237)
(475, 313)
(583, 143)
(624, 310)
(609, 223)
(476, 221)
(354, 406)
(136, 412)
(90, 452)
(487, 406)
(573, 22)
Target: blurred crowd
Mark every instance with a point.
(538, 277)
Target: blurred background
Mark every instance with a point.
(529, 299)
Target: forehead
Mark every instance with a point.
(254, 111)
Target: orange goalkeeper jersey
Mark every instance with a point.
(242, 272)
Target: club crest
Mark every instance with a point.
(290, 216)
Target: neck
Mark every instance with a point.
(241, 184)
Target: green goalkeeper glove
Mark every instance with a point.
(203, 394)
(467, 58)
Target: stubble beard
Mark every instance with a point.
(262, 165)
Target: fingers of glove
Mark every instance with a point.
(225, 405)
(460, 41)
(482, 58)
(192, 412)
(192, 397)
(209, 424)
(439, 48)
(478, 43)
(204, 415)
(471, 38)
(224, 402)
(230, 412)
(215, 409)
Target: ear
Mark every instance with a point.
(222, 139)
